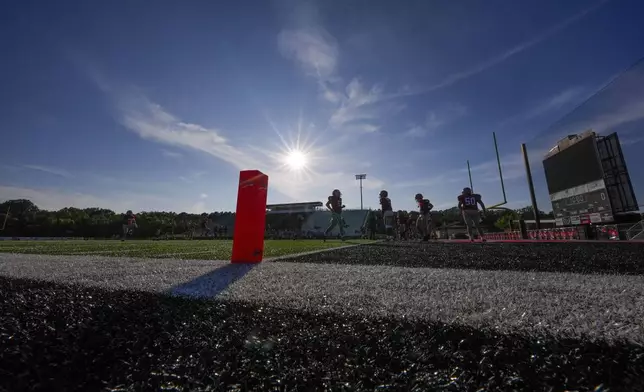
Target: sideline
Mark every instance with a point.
(313, 252)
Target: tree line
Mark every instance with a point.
(22, 218)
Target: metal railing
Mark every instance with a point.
(635, 231)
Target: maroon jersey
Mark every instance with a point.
(129, 219)
(424, 206)
(469, 202)
(385, 204)
(336, 204)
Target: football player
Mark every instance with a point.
(387, 214)
(206, 231)
(468, 204)
(334, 204)
(424, 222)
(129, 224)
(372, 225)
(402, 228)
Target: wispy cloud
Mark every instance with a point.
(50, 170)
(192, 177)
(314, 49)
(436, 119)
(629, 141)
(152, 122)
(171, 154)
(556, 102)
(605, 120)
(317, 53)
(500, 58)
(359, 109)
(548, 106)
(362, 109)
(203, 196)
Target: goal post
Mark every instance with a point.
(498, 162)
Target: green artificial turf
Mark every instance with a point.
(180, 249)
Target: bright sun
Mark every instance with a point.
(296, 160)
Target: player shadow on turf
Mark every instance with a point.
(213, 283)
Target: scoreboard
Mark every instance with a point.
(584, 204)
(576, 184)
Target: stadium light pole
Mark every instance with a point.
(533, 198)
(361, 177)
(6, 217)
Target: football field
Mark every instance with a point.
(177, 315)
(176, 249)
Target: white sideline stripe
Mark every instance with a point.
(120, 252)
(313, 252)
(180, 254)
(97, 252)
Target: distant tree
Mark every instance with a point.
(504, 222)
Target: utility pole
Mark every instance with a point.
(361, 177)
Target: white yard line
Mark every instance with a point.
(179, 254)
(313, 252)
(101, 252)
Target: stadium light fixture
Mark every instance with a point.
(361, 177)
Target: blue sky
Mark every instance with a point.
(158, 105)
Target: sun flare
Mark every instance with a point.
(296, 160)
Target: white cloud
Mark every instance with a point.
(190, 178)
(362, 109)
(203, 196)
(557, 101)
(50, 170)
(152, 122)
(500, 58)
(551, 104)
(198, 208)
(436, 119)
(417, 131)
(171, 154)
(629, 141)
(315, 50)
(318, 53)
(604, 120)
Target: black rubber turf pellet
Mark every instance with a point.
(66, 337)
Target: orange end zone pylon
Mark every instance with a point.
(250, 220)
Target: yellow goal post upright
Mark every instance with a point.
(497, 206)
